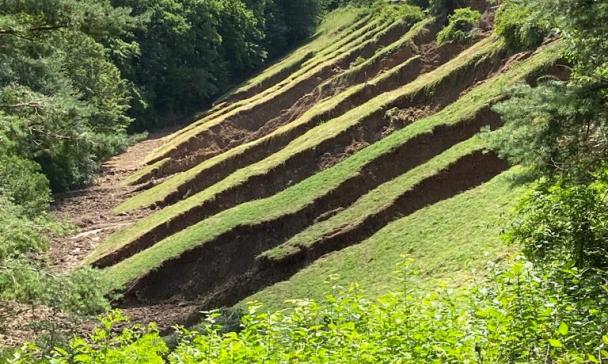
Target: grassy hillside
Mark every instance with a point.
(450, 242)
(359, 147)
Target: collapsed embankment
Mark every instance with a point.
(220, 167)
(304, 163)
(262, 117)
(224, 270)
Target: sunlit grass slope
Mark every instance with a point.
(374, 201)
(338, 29)
(361, 36)
(335, 27)
(315, 136)
(449, 241)
(293, 198)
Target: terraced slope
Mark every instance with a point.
(367, 123)
(333, 153)
(261, 113)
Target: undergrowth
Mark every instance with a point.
(462, 26)
(525, 314)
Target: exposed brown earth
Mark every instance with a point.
(242, 274)
(255, 122)
(90, 209)
(283, 74)
(431, 58)
(200, 271)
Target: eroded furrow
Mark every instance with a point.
(269, 234)
(468, 172)
(226, 270)
(284, 72)
(403, 73)
(309, 161)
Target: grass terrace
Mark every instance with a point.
(303, 193)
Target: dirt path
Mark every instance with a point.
(90, 209)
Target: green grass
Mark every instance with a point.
(143, 171)
(301, 194)
(309, 140)
(374, 201)
(391, 48)
(335, 27)
(450, 241)
(367, 36)
(158, 193)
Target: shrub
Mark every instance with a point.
(568, 221)
(519, 26)
(523, 315)
(19, 234)
(22, 183)
(461, 28)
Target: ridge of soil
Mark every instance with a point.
(246, 274)
(254, 122)
(212, 264)
(432, 57)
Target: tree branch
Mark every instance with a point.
(38, 29)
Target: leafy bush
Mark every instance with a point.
(76, 293)
(524, 315)
(519, 26)
(20, 234)
(22, 183)
(555, 128)
(566, 221)
(461, 28)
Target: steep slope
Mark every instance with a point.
(360, 132)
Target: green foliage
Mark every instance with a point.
(19, 233)
(557, 128)
(62, 100)
(22, 183)
(23, 280)
(566, 221)
(461, 28)
(236, 37)
(31, 283)
(584, 26)
(519, 25)
(136, 344)
(172, 73)
(524, 315)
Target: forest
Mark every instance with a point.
(82, 81)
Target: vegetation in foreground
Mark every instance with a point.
(78, 76)
(525, 315)
(549, 308)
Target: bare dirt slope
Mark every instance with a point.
(90, 209)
